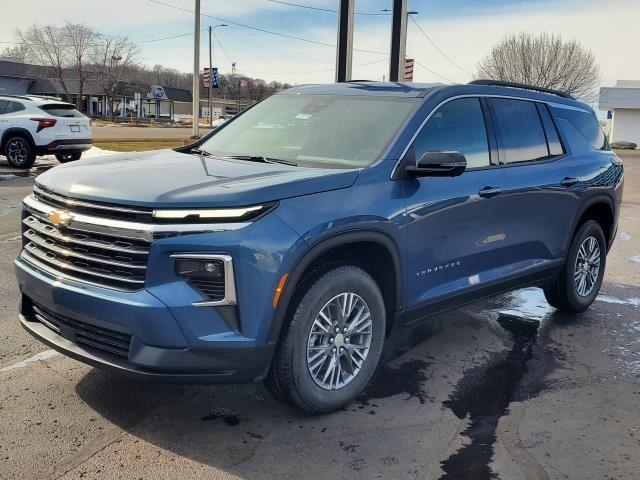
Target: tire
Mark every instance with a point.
(577, 285)
(305, 343)
(68, 157)
(19, 152)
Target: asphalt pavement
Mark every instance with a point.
(506, 388)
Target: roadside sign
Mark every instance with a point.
(206, 77)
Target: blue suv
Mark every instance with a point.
(289, 242)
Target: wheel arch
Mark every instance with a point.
(16, 132)
(318, 251)
(600, 208)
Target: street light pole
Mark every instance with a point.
(196, 72)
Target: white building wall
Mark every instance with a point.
(626, 125)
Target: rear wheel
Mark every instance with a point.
(19, 152)
(578, 284)
(68, 157)
(333, 343)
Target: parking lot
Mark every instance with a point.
(505, 388)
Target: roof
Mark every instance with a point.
(620, 96)
(364, 88)
(414, 90)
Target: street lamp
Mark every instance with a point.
(210, 69)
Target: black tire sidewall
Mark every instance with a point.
(340, 280)
(31, 156)
(576, 302)
(72, 157)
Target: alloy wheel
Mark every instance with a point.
(17, 152)
(587, 266)
(339, 341)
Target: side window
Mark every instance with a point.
(586, 124)
(13, 107)
(3, 105)
(459, 126)
(553, 139)
(520, 130)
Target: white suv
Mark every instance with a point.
(31, 126)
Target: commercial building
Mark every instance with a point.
(623, 103)
(133, 100)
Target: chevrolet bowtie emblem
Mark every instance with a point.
(60, 217)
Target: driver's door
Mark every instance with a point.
(456, 231)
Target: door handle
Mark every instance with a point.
(569, 181)
(488, 192)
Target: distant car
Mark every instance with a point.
(221, 119)
(31, 126)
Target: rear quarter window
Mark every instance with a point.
(586, 124)
(61, 110)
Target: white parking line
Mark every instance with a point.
(34, 358)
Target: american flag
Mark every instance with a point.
(408, 69)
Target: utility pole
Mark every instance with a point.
(398, 40)
(196, 73)
(344, 53)
(210, 77)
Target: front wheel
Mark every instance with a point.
(333, 343)
(68, 157)
(579, 282)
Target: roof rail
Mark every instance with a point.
(501, 83)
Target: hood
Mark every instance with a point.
(166, 178)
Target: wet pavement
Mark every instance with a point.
(505, 388)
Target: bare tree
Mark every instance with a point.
(79, 40)
(113, 59)
(47, 46)
(17, 53)
(544, 61)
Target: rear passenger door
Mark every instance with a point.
(541, 203)
(5, 120)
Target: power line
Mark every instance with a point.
(438, 48)
(224, 50)
(433, 73)
(313, 71)
(263, 30)
(310, 7)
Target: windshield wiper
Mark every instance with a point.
(201, 152)
(262, 159)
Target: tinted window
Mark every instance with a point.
(520, 130)
(456, 126)
(13, 107)
(3, 105)
(61, 110)
(586, 124)
(553, 140)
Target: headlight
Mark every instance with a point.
(209, 215)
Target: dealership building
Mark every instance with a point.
(623, 103)
(132, 100)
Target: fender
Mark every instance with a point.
(589, 203)
(319, 248)
(16, 130)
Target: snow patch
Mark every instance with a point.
(635, 259)
(624, 236)
(528, 303)
(603, 297)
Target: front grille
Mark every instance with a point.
(89, 257)
(98, 209)
(82, 333)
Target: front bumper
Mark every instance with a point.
(159, 349)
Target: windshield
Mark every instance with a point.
(314, 130)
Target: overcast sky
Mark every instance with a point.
(464, 30)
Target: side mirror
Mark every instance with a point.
(439, 164)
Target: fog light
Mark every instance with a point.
(195, 268)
